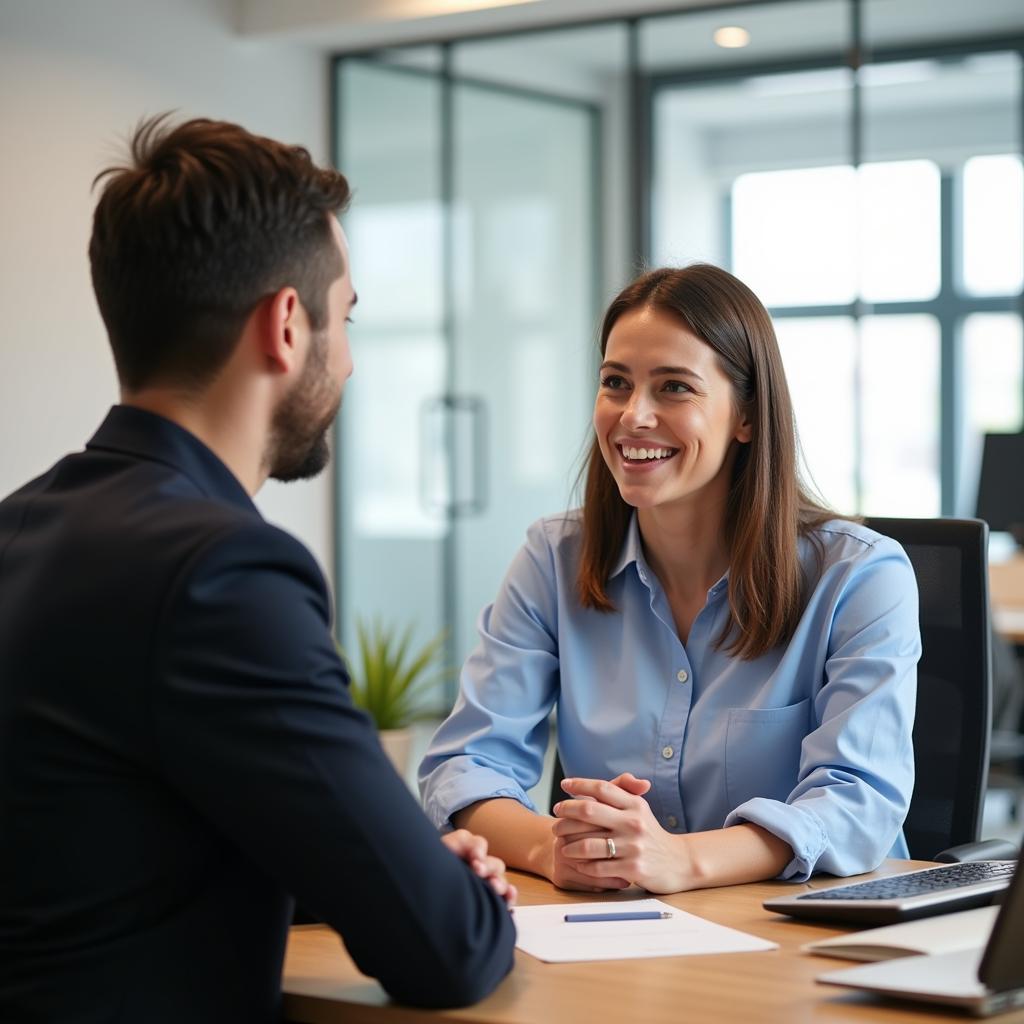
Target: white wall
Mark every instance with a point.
(74, 78)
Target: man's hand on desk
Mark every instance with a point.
(473, 850)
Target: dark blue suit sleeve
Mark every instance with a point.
(256, 729)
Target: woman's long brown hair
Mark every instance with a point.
(768, 507)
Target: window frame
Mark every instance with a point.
(949, 307)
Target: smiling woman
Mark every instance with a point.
(733, 664)
(642, 399)
(691, 360)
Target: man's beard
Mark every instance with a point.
(298, 441)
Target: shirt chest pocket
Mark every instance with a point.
(762, 751)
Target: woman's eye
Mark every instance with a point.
(613, 382)
(677, 387)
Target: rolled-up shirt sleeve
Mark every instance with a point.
(493, 743)
(857, 763)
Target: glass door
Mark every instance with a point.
(525, 266)
(474, 240)
(391, 535)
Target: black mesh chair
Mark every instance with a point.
(954, 691)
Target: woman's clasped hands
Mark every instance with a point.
(606, 837)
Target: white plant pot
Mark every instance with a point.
(397, 744)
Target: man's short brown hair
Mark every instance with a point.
(205, 221)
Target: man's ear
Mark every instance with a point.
(285, 325)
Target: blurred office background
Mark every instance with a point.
(857, 162)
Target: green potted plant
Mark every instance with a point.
(389, 681)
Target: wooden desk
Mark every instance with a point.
(1006, 591)
(777, 987)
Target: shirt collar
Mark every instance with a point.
(633, 552)
(146, 435)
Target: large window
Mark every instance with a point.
(820, 237)
(878, 213)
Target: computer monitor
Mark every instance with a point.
(1001, 484)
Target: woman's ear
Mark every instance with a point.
(744, 429)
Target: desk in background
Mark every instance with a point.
(1006, 590)
(322, 986)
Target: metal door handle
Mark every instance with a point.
(453, 455)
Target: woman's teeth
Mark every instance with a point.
(641, 454)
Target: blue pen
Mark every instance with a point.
(625, 915)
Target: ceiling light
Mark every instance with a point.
(731, 37)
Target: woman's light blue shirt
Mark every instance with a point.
(812, 741)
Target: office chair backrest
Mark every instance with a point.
(954, 679)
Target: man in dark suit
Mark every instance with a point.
(179, 755)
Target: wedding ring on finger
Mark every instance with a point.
(611, 848)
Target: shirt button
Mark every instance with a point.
(682, 675)
(666, 752)
(671, 821)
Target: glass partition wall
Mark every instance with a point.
(857, 162)
(476, 240)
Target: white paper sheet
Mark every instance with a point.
(544, 933)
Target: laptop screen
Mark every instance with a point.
(1002, 966)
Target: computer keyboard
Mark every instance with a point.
(952, 876)
(903, 897)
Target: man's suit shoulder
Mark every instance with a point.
(222, 543)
